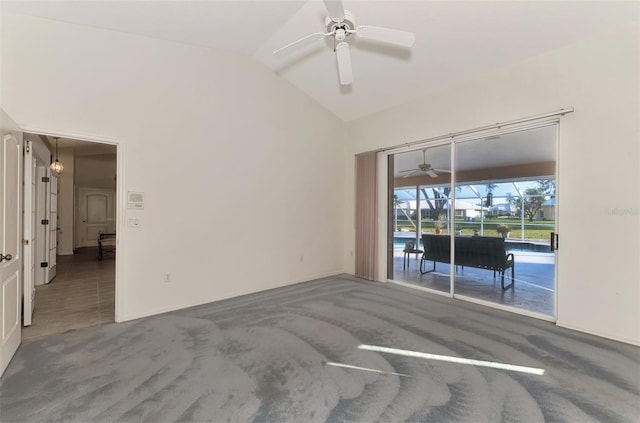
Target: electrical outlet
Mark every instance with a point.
(167, 278)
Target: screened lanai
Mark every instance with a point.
(501, 187)
(523, 205)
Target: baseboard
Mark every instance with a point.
(174, 307)
(630, 341)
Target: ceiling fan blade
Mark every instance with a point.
(335, 9)
(412, 173)
(408, 170)
(431, 173)
(387, 35)
(299, 44)
(344, 63)
(442, 170)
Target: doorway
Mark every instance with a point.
(83, 291)
(459, 201)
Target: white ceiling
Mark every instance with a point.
(455, 40)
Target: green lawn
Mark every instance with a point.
(537, 230)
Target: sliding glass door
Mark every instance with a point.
(500, 213)
(421, 187)
(505, 202)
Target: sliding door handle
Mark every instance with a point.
(554, 241)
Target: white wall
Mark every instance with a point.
(599, 159)
(65, 202)
(216, 141)
(96, 171)
(242, 174)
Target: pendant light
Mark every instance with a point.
(56, 166)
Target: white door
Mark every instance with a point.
(95, 215)
(42, 231)
(10, 240)
(52, 225)
(29, 194)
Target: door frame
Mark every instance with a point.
(42, 155)
(29, 230)
(35, 235)
(119, 198)
(452, 139)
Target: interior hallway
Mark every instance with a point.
(82, 294)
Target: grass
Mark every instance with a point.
(537, 230)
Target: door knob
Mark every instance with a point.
(7, 257)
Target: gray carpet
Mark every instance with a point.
(281, 356)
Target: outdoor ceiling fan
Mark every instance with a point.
(340, 24)
(424, 167)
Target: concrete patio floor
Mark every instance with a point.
(533, 290)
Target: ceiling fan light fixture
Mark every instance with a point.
(56, 166)
(340, 24)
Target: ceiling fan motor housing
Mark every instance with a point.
(348, 23)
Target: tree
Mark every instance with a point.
(534, 198)
(491, 187)
(438, 203)
(548, 187)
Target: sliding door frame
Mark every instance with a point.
(384, 155)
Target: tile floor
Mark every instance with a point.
(82, 294)
(534, 288)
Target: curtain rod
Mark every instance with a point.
(498, 125)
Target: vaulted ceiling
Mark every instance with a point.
(455, 40)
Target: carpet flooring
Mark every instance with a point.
(336, 349)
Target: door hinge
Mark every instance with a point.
(25, 242)
(44, 264)
(46, 179)
(45, 221)
(27, 147)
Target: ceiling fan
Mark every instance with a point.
(340, 24)
(424, 167)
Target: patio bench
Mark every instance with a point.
(480, 252)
